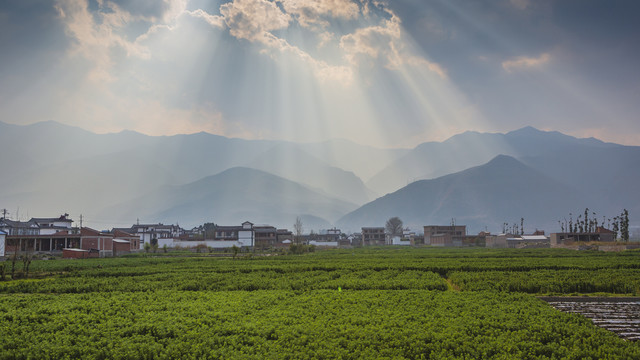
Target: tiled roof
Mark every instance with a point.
(18, 224)
(42, 220)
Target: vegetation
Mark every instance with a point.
(350, 304)
(298, 229)
(619, 224)
(393, 227)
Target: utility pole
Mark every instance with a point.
(4, 214)
(80, 221)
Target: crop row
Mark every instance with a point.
(198, 280)
(441, 261)
(616, 281)
(402, 324)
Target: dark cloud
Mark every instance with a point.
(32, 43)
(145, 8)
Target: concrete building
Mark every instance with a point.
(49, 226)
(95, 240)
(133, 239)
(153, 234)
(265, 236)
(283, 235)
(373, 236)
(496, 241)
(567, 238)
(444, 235)
(121, 247)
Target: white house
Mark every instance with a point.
(246, 235)
(397, 240)
(159, 233)
(50, 226)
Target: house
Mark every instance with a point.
(373, 236)
(355, 239)
(154, 234)
(91, 239)
(39, 234)
(496, 241)
(133, 239)
(244, 234)
(601, 234)
(397, 240)
(265, 236)
(12, 227)
(444, 235)
(328, 238)
(284, 234)
(121, 246)
(49, 226)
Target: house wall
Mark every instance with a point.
(216, 244)
(3, 239)
(496, 241)
(101, 243)
(120, 247)
(246, 237)
(324, 243)
(77, 254)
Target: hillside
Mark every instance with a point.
(434, 159)
(233, 196)
(502, 190)
(291, 162)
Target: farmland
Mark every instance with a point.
(363, 303)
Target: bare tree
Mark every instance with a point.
(393, 226)
(298, 229)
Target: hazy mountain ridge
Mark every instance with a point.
(235, 195)
(434, 159)
(291, 162)
(502, 190)
(50, 168)
(54, 168)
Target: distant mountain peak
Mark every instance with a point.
(527, 130)
(504, 159)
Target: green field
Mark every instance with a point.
(350, 304)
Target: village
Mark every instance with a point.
(58, 236)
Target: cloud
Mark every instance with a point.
(95, 41)
(384, 43)
(213, 20)
(253, 19)
(523, 62)
(312, 13)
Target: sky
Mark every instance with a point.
(381, 73)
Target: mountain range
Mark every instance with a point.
(478, 179)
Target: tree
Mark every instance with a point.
(393, 227)
(624, 225)
(209, 230)
(298, 229)
(615, 227)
